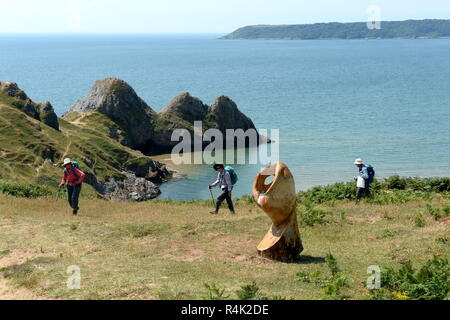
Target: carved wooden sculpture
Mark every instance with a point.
(278, 200)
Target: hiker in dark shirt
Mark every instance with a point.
(225, 183)
(74, 178)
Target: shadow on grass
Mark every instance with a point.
(304, 259)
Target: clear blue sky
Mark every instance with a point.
(196, 16)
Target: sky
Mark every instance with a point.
(198, 16)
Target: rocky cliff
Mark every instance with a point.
(15, 96)
(137, 126)
(118, 100)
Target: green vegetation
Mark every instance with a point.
(25, 191)
(430, 282)
(332, 285)
(311, 216)
(214, 293)
(394, 189)
(359, 30)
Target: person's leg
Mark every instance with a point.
(69, 195)
(75, 196)
(221, 199)
(359, 193)
(230, 203)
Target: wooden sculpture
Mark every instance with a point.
(278, 200)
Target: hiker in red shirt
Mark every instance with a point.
(74, 178)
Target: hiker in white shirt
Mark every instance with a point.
(225, 183)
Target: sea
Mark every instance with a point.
(386, 101)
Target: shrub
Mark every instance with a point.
(419, 220)
(417, 184)
(249, 292)
(332, 264)
(435, 212)
(394, 189)
(25, 191)
(430, 282)
(311, 216)
(394, 183)
(446, 210)
(213, 292)
(332, 285)
(322, 194)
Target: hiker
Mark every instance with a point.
(366, 177)
(74, 178)
(225, 182)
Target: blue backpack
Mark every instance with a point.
(370, 172)
(233, 174)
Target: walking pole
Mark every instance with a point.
(212, 197)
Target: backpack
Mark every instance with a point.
(75, 164)
(371, 173)
(233, 175)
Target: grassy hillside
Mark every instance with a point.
(26, 143)
(170, 250)
(357, 30)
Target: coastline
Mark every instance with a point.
(166, 159)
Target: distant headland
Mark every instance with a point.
(409, 29)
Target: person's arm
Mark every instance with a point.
(81, 176)
(228, 181)
(364, 173)
(215, 184)
(64, 179)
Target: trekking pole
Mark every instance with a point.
(212, 197)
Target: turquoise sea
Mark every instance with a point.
(387, 101)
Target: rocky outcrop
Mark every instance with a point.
(118, 100)
(140, 181)
(13, 90)
(139, 127)
(42, 112)
(149, 169)
(48, 115)
(131, 188)
(186, 107)
(227, 115)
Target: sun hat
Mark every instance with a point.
(359, 161)
(67, 161)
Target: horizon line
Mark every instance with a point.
(112, 33)
(201, 32)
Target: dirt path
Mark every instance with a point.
(78, 121)
(7, 290)
(67, 151)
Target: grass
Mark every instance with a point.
(170, 250)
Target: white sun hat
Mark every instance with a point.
(67, 161)
(359, 161)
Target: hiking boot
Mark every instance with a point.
(214, 212)
(75, 212)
